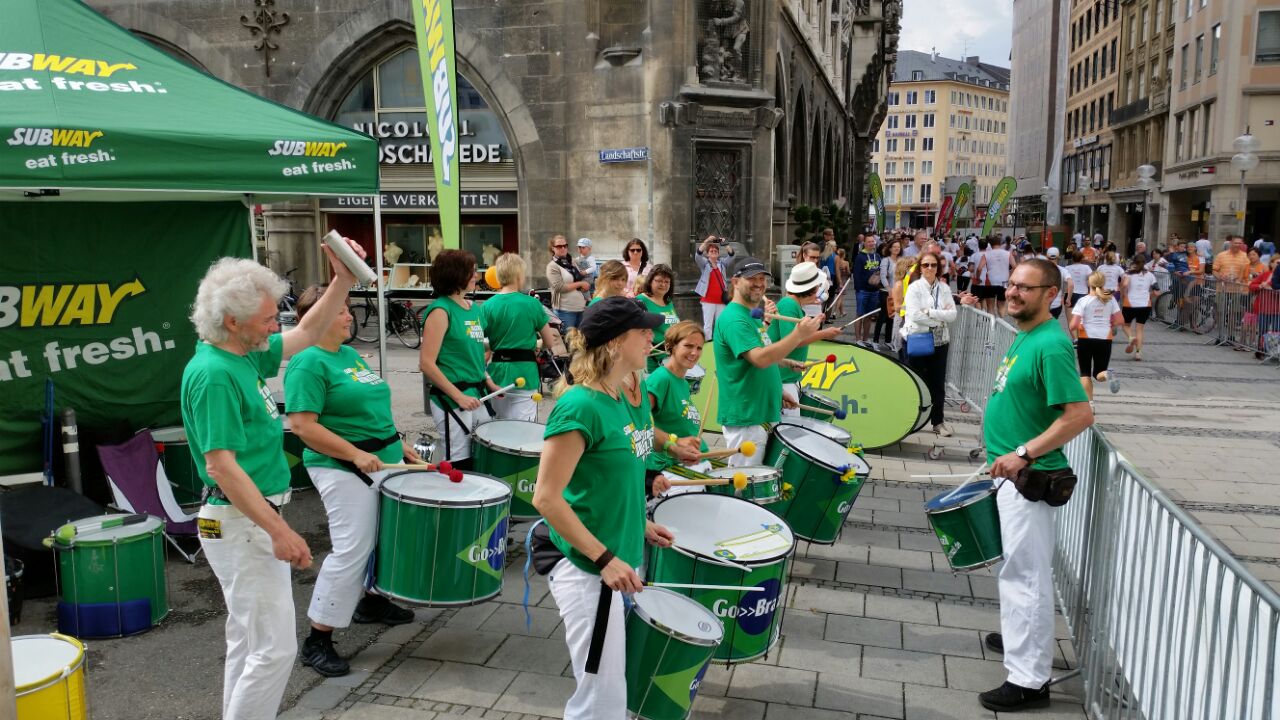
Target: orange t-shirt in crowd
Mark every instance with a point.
(1194, 264)
(1232, 267)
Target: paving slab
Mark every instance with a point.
(466, 684)
(716, 708)
(903, 665)
(864, 631)
(933, 703)
(547, 656)
(850, 692)
(536, 693)
(773, 684)
(453, 644)
(943, 640)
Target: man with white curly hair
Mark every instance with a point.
(237, 441)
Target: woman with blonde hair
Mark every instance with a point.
(513, 321)
(591, 492)
(1111, 270)
(1094, 320)
(895, 301)
(676, 418)
(611, 281)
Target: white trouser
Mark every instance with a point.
(515, 407)
(352, 508)
(1026, 587)
(735, 435)
(458, 446)
(261, 645)
(602, 696)
(710, 311)
(791, 390)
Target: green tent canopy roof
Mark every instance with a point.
(95, 113)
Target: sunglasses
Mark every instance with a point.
(928, 264)
(635, 250)
(560, 247)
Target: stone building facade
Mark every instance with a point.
(746, 108)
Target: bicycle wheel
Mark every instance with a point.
(405, 324)
(367, 324)
(1204, 316)
(1164, 308)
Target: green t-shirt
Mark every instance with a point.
(675, 411)
(461, 356)
(606, 490)
(226, 405)
(669, 318)
(779, 329)
(593, 301)
(350, 400)
(747, 395)
(511, 322)
(1035, 379)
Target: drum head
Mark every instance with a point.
(520, 436)
(823, 400)
(821, 427)
(174, 434)
(431, 488)
(752, 472)
(820, 449)
(677, 614)
(697, 372)
(41, 659)
(972, 492)
(122, 532)
(727, 527)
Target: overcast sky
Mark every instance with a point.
(985, 27)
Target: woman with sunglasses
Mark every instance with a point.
(929, 308)
(568, 285)
(636, 257)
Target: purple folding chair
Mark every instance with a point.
(139, 485)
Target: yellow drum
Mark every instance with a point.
(48, 674)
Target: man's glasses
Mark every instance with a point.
(1026, 288)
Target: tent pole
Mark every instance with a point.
(382, 300)
(253, 230)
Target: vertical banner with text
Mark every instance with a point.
(877, 199)
(957, 208)
(999, 196)
(433, 25)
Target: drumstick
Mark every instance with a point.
(519, 383)
(838, 413)
(747, 448)
(784, 318)
(860, 317)
(739, 481)
(444, 468)
(828, 360)
(840, 294)
(690, 586)
(706, 408)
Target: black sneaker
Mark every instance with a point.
(318, 654)
(995, 642)
(377, 609)
(1012, 698)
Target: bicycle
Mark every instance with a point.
(288, 305)
(401, 320)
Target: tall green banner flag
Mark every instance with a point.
(999, 196)
(433, 25)
(877, 199)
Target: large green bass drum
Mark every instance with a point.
(510, 450)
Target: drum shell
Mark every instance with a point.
(109, 572)
(58, 697)
(969, 532)
(822, 426)
(517, 469)
(761, 490)
(819, 501)
(810, 400)
(658, 667)
(440, 555)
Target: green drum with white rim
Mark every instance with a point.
(811, 400)
(111, 581)
(179, 466)
(967, 523)
(764, 483)
(822, 427)
(441, 543)
(510, 450)
(694, 377)
(670, 640)
(723, 540)
(824, 478)
(299, 478)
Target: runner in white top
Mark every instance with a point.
(1136, 289)
(1055, 306)
(1078, 278)
(1093, 320)
(995, 265)
(1111, 270)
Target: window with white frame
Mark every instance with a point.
(926, 167)
(1267, 48)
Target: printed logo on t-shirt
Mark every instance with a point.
(671, 319)
(764, 334)
(641, 439)
(362, 374)
(474, 330)
(265, 393)
(690, 412)
(1002, 374)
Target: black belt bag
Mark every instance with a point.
(544, 553)
(1054, 487)
(514, 355)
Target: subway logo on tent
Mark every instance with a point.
(62, 305)
(54, 137)
(306, 148)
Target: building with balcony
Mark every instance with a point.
(1225, 83)
(1093, 46)
(1139, 120)
(945, 118)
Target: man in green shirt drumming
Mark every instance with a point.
(237, 444)
(1037, 406)
(802, 289)
(748, 379)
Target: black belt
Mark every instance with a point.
(371, 445)
(514, 355)
(445, 401)
(216, 493)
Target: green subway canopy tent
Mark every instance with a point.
(124, 173)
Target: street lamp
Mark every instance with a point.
(1146, 180)
(1243, 161)
(1086, 184)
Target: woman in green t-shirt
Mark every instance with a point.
(452, 354)
(513, 321)
(590, 489)
(611, 281)
(342, 412)
(674, 412)
(655, 293)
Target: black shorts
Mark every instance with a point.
(1056, 312)
(1141, 314)
(1094, 356)
(1076, 298)
(989, 292)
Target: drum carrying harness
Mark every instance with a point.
(371, 445)
(514, 355)
(450, 412)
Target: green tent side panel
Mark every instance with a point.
(96, 297)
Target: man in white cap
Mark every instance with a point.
(802, 289)
(1055, 305)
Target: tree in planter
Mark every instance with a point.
(811, 220)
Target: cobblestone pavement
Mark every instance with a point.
(1203, 423)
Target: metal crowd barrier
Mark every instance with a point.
(1164, 621)
(1228, 313)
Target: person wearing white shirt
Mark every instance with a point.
(1111, 270)
(1055, 305)
(992, 272)
(929, 308)
(1204, 248)
(917, 246)
(1135, 290)
(1094, 321)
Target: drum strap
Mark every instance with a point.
(445, 405)
(601, 628)
(514, 355)
(371, 445)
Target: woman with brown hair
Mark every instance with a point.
(929, 308)
(635, 256)
(656, 290)
(611, 281)
(568, 285)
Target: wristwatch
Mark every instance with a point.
(1022, 452)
